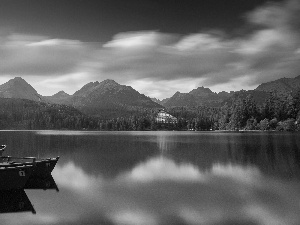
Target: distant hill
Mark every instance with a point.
(283, 85)
(197, 97)
(19, 88)
(60, 97)
(181, 99)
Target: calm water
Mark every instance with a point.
(163, 177)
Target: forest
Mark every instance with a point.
(280, 112)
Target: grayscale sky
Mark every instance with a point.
(156, 46)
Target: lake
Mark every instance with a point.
(213, 178)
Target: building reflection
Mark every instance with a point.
(165, 143)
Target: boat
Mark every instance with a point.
(14, 177)
(42, 167)
(2, 147)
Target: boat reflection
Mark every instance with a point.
(16, 200)
(13, 201)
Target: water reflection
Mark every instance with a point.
(165, 142)
(165, 178)
(16, 200)
(13, 201)
(162, 191)
(274, 156)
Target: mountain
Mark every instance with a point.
(258, 96)
(60, 97)
(61, 94)
(197, 97)
(109, 97)
(94, 98)
(283, 85)
(19, 88)
(181, 100)
(86, 89)
(161, 102)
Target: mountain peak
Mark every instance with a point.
(109, 81)
(18, 88)
(86, 88)
(201, 91)
(18, 79)
(61, 94)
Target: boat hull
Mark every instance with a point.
(43, 168)
(14, 177)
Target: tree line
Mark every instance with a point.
(278, 112)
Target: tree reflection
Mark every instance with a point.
(272, 154)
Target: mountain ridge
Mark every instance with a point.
(281, 85)
(94, 97)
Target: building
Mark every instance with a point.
(163, 117)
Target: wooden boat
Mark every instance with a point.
(42, 167)
(2, 147)
(14, 177)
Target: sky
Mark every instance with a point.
(156, 46)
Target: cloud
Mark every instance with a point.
(169, 62)
(23, 55)
(269, 52)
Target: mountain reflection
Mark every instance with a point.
(163, 191)
(205, 178)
